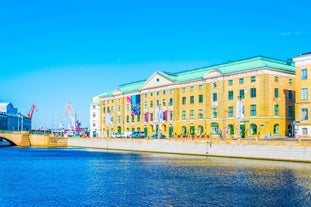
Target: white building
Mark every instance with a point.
(95, 117)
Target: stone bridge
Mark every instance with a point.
(26, 139)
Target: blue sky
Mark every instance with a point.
(53, 52)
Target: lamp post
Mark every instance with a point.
(239, 114)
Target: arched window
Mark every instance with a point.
(183, 130)
(253, 129)
(200, 130)
(214, 128)
(304, 131)
(276, 129)
(192, 130)
(230, 129)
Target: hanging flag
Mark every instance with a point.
(135, 100)
(129, 99)
(165, 115)
(146, 117)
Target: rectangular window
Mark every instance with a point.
(171, 91)
(164, 102)
(253, 79)
(276, 79)
(191, 114)
(200, 113)
(290, 95)
(171, 115)
(158, 93)
(304, 114)
(304, 131)
(164, 92)
(241, 80)
(200, 87)
(253, 92)
(183, 115)
(253, 110)
(183, 89)
(290, 111)
(151, 94)
(127, 119)
(184, 100)
(145, 95)
(191, 88)
(230, 112)
(230, 82)
(276, 93)
(191, 99)
(145, 105)
(119, 108)
(119, 119)
(94, 114)
(200, 98)
(304, 74)
(151, 104)
(104, 110)
(138, 118)
(276, 110)
(214, 85)
(230, 95)
(290, 81)
(127, 107)
(214, 97)
(241, 94)
(304, 94)
(214, 113)
(133, 118)
(151, 116)
(170, 102)
(158, 102)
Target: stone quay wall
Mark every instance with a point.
(266, 150)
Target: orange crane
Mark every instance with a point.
(32, 109)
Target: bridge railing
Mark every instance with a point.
(10, 132)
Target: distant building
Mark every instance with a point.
(94, 117)
(11, 120)
(303, 95)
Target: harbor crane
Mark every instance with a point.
(31, 111)
(74, 122)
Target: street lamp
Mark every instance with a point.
(239, 114)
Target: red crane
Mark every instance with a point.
(32, 109)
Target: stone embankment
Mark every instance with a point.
(250, 149)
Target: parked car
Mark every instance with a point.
(126, 135)
(138, 135)
(155, 136)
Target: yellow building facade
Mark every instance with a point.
(303, 90)
(247, 98)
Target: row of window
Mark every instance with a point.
(230, 114)
(253, 94)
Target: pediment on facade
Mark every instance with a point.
(212, 74)
(156, 80)
(117, 92)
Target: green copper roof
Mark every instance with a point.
(224, 68)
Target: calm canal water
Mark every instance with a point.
(78, 177)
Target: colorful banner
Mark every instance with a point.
(135, 102)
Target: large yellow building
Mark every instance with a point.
(252, 97)
(303, 92)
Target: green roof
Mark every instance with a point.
(225, 68)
